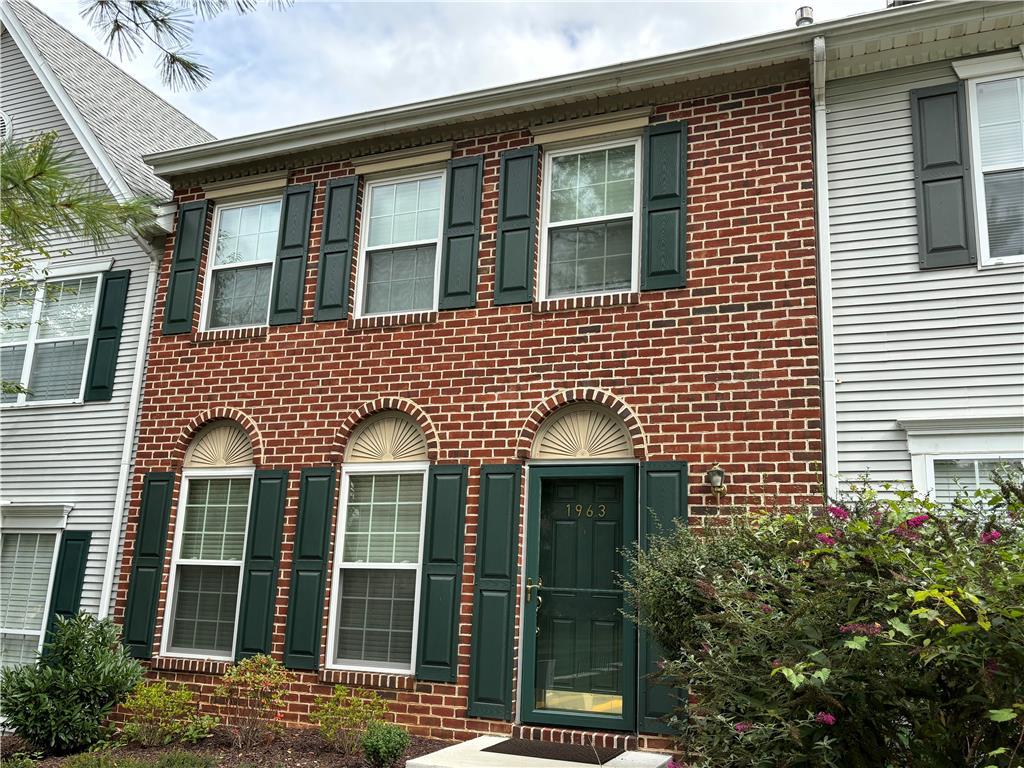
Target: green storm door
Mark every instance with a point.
(579, 650)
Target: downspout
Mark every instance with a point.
(827, 330)
(131, 430)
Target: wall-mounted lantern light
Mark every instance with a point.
(716, 479)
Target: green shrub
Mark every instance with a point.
(884, 631)
(180, 759)
(157, 715)
(253, 692)
(18, 760)
(102, 758)
(345, 715)
(384, 744)
(59, 704)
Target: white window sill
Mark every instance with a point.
(42, 404)
(1006, 262)
(404, 672)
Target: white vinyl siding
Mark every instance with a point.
(26, 564)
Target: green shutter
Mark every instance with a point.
(336, 243)
(663, 254)
(106, 336)
(440, 590)
(188, 253)
(494, 593)
(663, 489)
(309, 569)
(461, 233)
(517, 226)
(942, 179)
(66, 595)
(292, 244)
(148, 563)
(259, 573)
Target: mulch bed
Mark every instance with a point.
(294, 748)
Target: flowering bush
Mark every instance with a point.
(253, 692)
(884, 631)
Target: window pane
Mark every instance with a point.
(240, 296)
(400, 280)
(590, 258)
(17, 650)
(954, 477)
(1001, 122)
(405, 212)
(589, 184)
(15, 314)
(11, 361)
(216, 513)
(375, 617)
(67, 308)
(382, 518)
(1004, 211)
(57, 368)
(248, 233)
(206, 598)
(25, 563)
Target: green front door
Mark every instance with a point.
(579, 651)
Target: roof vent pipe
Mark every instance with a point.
(804, 15)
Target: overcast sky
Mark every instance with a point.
(324, 59)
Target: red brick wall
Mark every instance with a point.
(724, 370)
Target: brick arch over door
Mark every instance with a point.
(401, 404)
(217, 414)
(581, 395)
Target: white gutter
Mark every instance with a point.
(826, 325)
(131, 429)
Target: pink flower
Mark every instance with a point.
(876, 516)
(917, 522)
(743, 727)
(765, 608)
(838, 512)
(825, 718)
(825, 539)
(861, 629)
(989, 537)
(661, 663)
(673, 764)
(904, 533)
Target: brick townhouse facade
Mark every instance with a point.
(501, 346)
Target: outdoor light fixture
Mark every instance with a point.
(716, 479)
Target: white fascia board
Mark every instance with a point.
(86, 138)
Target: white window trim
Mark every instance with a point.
(57, 540)
(985, 259)
(382, 468)
(364, 239)
(179, 520)
(205, 305)
(545, 213)
(33, 338)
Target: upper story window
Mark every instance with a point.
(591, 228)
(398, 271)
(242, 263)
(45, 338)
(997, 121)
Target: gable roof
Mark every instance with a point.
(122, 118)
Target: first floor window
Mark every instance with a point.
(244, 249)
(26, 563)
(378, 569)
(44, 338)
(208, 564)
(954, 477)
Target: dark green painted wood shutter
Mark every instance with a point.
(292, 244)
(148, 563)
(942, 179)
(440, 590)
(494, 593)
(68, 576)
(185, 261)
(663, 489)
(517, 226)
(336, 243)
(106, 336)
(663, 251)
(262, 553)
(461, 233)
(309, 569)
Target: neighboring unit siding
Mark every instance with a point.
(70, 454)
(907, 342)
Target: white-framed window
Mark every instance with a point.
(241, 268)
(206, 565)
(590, 217)
(45, 338)
(952, 475)
(996, 108)
(27, 560)
(376, 580)
(400, 245)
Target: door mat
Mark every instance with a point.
(571, 753)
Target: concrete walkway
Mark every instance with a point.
(469, 754)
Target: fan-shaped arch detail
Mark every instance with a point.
(582, 432)
(389, 436)
(221, 444)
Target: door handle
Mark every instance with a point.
(531, 588)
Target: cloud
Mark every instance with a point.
(322, 59)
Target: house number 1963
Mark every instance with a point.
(588, 511)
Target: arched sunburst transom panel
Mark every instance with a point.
(390, 436)
(583, 431)
(221, 444)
